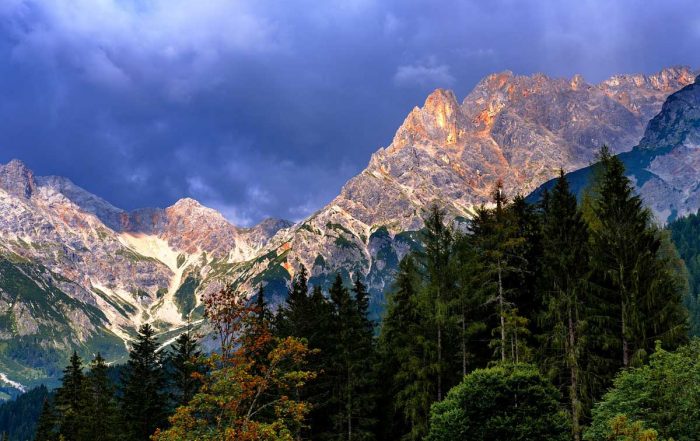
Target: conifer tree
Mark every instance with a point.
(363, 382)
(46, 426)
(437, 240)
(144, 396)
(101, 413)
(565, 289)
(293, 319)
(185, 364)
(637, 281)
(70, 400)
(321, 339)
(405, 352)
(500, 249)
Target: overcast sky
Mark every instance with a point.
(265, 108)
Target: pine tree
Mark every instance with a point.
(185, 364)
(363, 382)
(101, 419)
(71, 400)
(144, 396)
(437, 240)
(565, 288)
(46, 426)
(320, 337)
(470, 304)
(405, 352)
(637, 281)
(293, 318)
(495, 236)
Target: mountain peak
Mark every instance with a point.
(187, 203)
(678, 122)
(17, 179)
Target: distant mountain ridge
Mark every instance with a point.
(78, 272)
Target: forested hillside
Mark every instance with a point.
(514, 326)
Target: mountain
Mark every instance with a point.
(77, 272)
(665, 165)
(520, 129)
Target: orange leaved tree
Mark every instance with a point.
(249, 391)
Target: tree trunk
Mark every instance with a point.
(573, 369)
(625, 344)
(501, 312)
(464, 343)
(439, 366)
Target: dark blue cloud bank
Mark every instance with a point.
(265, 108)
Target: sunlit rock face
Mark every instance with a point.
(665, 166)
(78, 273)
(519, 129)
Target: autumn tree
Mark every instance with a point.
(248, 393)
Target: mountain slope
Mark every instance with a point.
(665, 165)
(101, 271)
(517, 129)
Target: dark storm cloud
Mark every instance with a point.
(265, 108)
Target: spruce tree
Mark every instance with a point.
(320, 337)
(495, 236)
(637, 282)
(144, 396)
(363, 381)
(405, 351)
(437, 241)
(565, 294)
(101, 420)
(185, 364)
(293, 318)
(46, 426)
(71, 400)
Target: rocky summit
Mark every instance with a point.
(77, 272)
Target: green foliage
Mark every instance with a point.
(685, 233)
(565, 297)
(639, 295)
(19, 417)
(664, 395)
(101, 418)
(185, 298)
(185, 362)
(143, 391)
(503, 403)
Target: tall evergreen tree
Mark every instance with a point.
(503, 262)
(293, 318)
(144, 397)
(363, 381)
(405, 347)
(437, 241)
(637, 281)
(101, 422)
(46, 426)
(70, 400)
(185, 364)
(565, 287)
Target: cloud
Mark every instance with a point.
(267, 108)
(434, 76)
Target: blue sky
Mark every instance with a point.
(265, 108)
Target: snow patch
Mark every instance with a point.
(19, 386)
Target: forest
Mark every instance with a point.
(563, 319)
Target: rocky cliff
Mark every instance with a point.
(665, 165)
